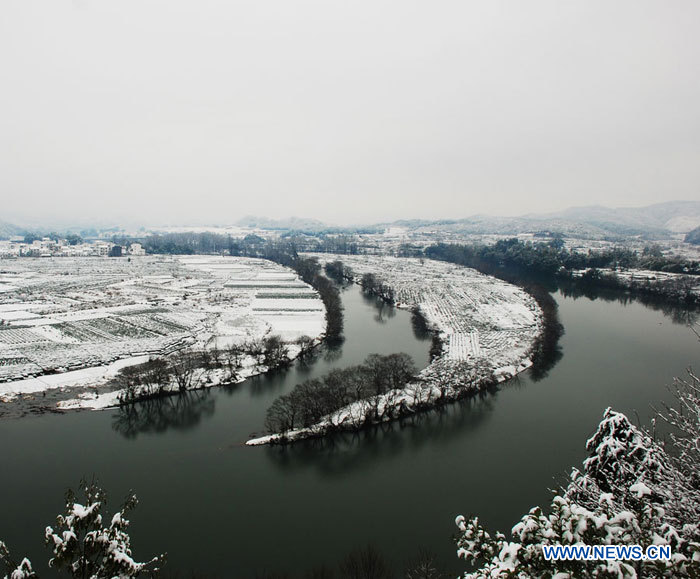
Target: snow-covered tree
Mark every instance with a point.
(631, 491)
(83, 546)
(21, 570)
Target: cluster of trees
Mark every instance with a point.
(309, 402)
(339, 272)
(323, 243)
(190, 369)
(251, 245)
(538, 258)
(679, 289)
(677, 310)
(71, 238)
(189, 243)
(551, 257)
(632, 490)
(83, 545)
(509, 254)
(309, 270)
(374, 286)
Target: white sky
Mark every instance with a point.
(202, 111)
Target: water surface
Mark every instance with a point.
(229, 510)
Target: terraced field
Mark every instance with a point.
(480, 318)
(487, 327)
(62, 314)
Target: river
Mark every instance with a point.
(227, 510)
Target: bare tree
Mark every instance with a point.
(188, 370)
(275, 352)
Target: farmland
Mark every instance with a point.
(487, 328)
(68, 321)
(478, 317)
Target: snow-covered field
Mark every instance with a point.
(488, 328)
(478, 317)
(66, 321)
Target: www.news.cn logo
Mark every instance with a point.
(606, 552)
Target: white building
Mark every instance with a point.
(136, 249)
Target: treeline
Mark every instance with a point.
(549, 263)
(678, 311)
(309, 270)
(251, 245)
(312, 400)
(522, 272)
(541, 257)
(283, 252)
(370, 283)
(548, 258)
(679, 288)
(339, 272)
(192, 369)
(374, 286)
(71, 238)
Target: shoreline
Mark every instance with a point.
(407, 401)
(463, 366)
(87, 319)
(91, 399)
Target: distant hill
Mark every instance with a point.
(596, 222)
(291, 223)
(302, 225)
(658, 221)
(8, 230)
(673, 216)
(693, 236)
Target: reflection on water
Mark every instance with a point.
(332, 352)
(384, 311)
(419, 325)
(180, 412)
(398, 485)
(677, 312)
(342, 452)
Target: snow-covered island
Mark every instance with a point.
(488, 329)
(74, 323)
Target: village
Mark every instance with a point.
(19, 246)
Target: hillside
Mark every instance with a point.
(656, 221)
(8, 230)
(693, 236)
(673, 216)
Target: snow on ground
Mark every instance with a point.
(478, 317)
(94, 400)
(488, 328)
(66, 321)
(83, 377)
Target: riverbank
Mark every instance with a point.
(462, 456)
(71, 326)
(488, 329)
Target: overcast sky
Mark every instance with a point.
(184, 111)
